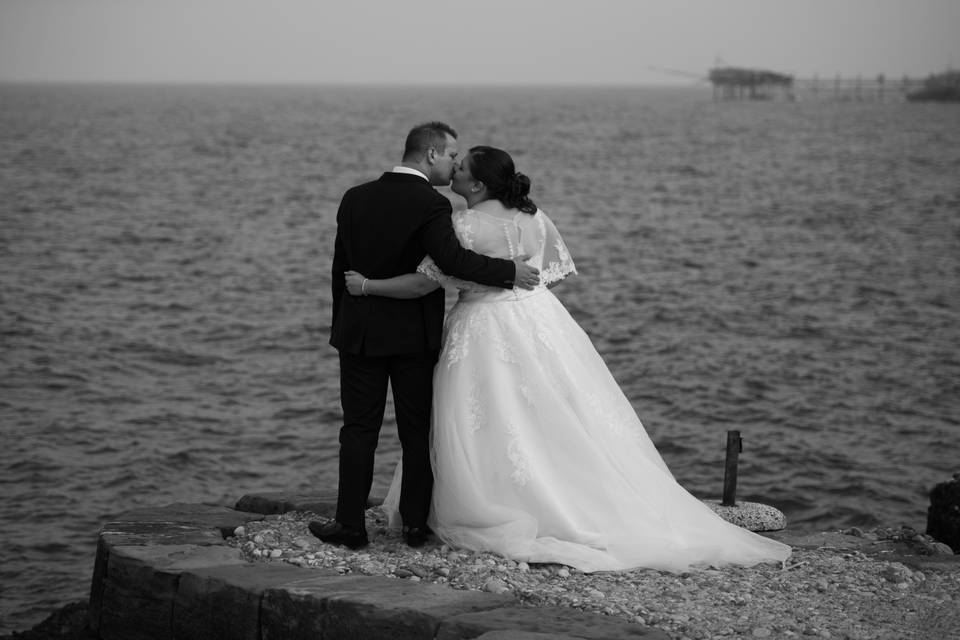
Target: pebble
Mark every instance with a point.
(938, 549)
(495, 586)
(896, 573)
(420, 571)
(303, 543)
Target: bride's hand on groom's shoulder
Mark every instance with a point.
(354, 282)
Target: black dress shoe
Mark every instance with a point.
(335, 533)
(416, 536)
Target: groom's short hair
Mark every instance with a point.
(427, 135)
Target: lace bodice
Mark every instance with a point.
(533, 237)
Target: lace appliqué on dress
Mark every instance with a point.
(611, 413)
(521, 465)
(476, 415)
(556, 270)
(430, 269)
(463, 229)
(557, 263)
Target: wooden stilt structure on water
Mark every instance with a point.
(736, 83)
(741, 83)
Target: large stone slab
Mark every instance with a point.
(561, 622)
(366, 607)
(223, 519)
(167, 573)
(125, 534)
(272, 502)
(140, 584)
(520, 635)
(223, 602)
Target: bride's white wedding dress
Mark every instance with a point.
(537, 454)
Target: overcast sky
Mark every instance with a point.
(469, 41)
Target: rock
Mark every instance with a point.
(896, 573)
(750, 515)
(67, 623)
(943, 515)
(303, 542)
(420, 571)
(494, 585)
(937, 549)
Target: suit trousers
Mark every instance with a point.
(363, 396)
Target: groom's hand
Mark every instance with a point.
(526, 277)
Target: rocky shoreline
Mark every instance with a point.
(877, 584)
(884, 583)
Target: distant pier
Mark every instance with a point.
(737, 83)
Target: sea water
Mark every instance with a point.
(788, 270)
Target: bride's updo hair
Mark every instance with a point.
(494, 168)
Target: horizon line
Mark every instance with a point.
(347, 83)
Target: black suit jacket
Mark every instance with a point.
(384, 229)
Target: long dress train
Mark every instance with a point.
(536, 452)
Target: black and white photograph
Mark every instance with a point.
(506, 320)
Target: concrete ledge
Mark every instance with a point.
(167, 572)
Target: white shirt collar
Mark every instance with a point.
(413, 172)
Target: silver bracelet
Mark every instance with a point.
(363, 286)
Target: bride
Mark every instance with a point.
(537, 454)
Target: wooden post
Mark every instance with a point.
(734, 447)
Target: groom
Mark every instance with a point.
(384, 229)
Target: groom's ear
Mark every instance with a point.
(431, 155)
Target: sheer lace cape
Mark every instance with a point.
(532, 237)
